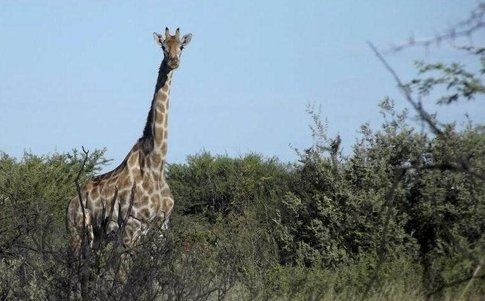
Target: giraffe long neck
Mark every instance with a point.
(155, 133)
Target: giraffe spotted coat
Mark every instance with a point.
(106, 198)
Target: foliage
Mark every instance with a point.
(214, 185)
(255, 228)
(35, 191)
(404, 205)
(458, 82)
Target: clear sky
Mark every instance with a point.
(78, 73)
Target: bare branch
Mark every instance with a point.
(128, 213)
(407, 94)
(108, 219)
(465, 28)
(83, 254)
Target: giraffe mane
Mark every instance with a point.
(111, 172)
(146, 140)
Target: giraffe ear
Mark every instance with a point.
(186, 39)
(158, 38)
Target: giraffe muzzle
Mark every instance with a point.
(173, 63)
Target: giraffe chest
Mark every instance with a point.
(151, 183)
(150, 195)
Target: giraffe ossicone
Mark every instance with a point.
(136, 191)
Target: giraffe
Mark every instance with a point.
(136, 192)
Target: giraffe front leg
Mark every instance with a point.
(167, 207)
(80, 227)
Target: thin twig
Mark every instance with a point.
(121, 228)
(465, 28)
(128, 213)
(407, 94)
(83, 254)
(78, 188)
(107, 220)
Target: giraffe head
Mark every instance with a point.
(172, 46)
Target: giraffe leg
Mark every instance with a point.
(166, 223)
(131, 233)
(167, 206)
(80, 227)
(77, 223)
(113, 223)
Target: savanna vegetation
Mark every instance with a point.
(399, 217)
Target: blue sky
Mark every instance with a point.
(83, 73)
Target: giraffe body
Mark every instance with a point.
(106, 198)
